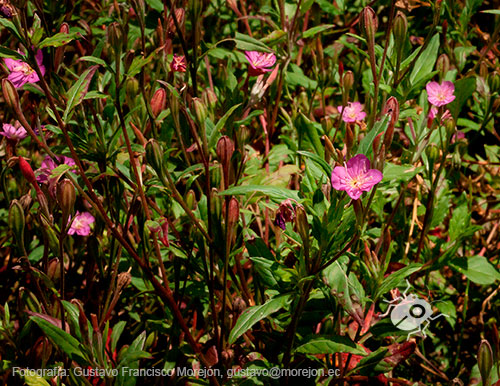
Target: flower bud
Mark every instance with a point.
(191, 199)
(349, 138)
(200, 111)
(66, 197)
(329, 149)
(174, 109)
(392, 108)
(400, 29)
(132, 88)
(27, 171)
(369, 23)
(17, 222)
(302, 223)
(225, 150)
(158, 102)
(59, 53)
(494, 82)
(10, 95)
(154, 156)
(234, 212)
(432, 153)
(49, 235)
(485, 361)
(209, 98)
(450, 125)
(179, 16)
(347, 83)
(115, 36)
(443, 65)
(376, 143)
(54, 269)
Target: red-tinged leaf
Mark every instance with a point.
(368, 319)
(50, 319)
(400, 351)
(78, 91)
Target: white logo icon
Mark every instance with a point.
(410, 313)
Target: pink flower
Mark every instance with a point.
(356, 177)
(440, 94)
(352, 112)
(260, 62)
(81, 224)
(178, 63)
(21, 72)
(13, 132)
(48, 164)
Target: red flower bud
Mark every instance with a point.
(27, 171)
(392, 108)
(369, 23)
(159, 101)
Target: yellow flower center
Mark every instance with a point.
(25, 68)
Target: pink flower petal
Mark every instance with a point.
(358, 165)
(339, 178)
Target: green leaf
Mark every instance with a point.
(248, 43)
(35, 380)
(62, 339)
(220, 124)
(255, 314)
(318, 160)
(330, 345)
(369, 364)
(59, 39)
(274, 193)
(492, 11)
(477, 269)
(272, 274)
(396, 278)
(405, 173)
(365, 146)
(464, 88)
(316, 30)
(296, 78)
(60, 170)
(328, 7)
(138, 63)
(8, 53)
(425, 62)
(77, 92)
(115, 334)
(93, 59)
(12, 28)
(459, 221)
(312, 131)
(157, 5)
